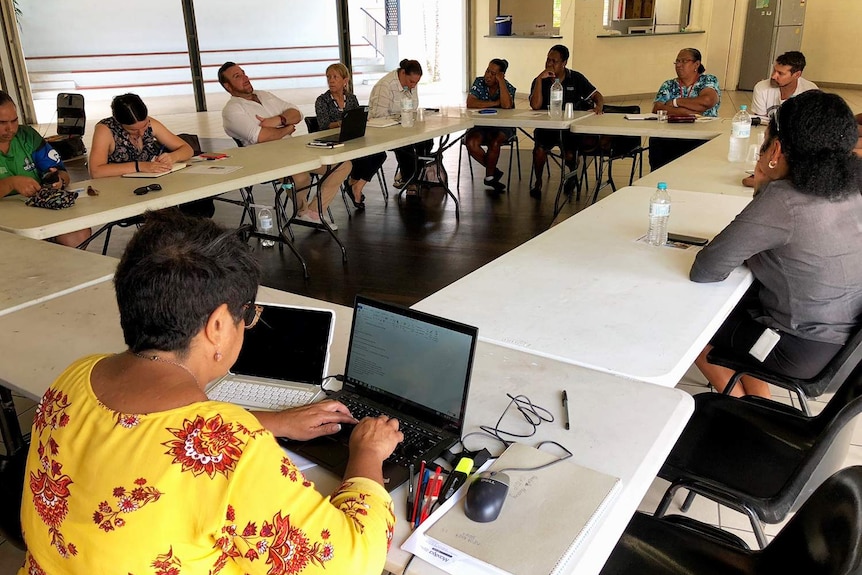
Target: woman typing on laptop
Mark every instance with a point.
(330, 107)
(132, 468)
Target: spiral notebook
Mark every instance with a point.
(554, 508)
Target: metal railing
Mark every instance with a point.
(374, 32)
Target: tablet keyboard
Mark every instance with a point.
(262, 395)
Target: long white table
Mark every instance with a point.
(586, 292)
(705, 169)
(117, 201)
(617, 125)
(620, 427)
(35, 271)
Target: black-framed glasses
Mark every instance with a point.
(684, 60)
(251, 314)
(144, 190)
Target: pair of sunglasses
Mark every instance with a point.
(147, 189)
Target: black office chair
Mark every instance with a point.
(313, 126)
(514, 151)
(12, 471)
(607, 149)
(760, 457)
(823, 538)
(827, 380)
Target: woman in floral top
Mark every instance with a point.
(132, 470)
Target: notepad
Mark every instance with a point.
(173, 169)
(548, 513)
(382, 122)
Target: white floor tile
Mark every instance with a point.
(748, 537)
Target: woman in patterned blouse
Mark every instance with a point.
(133, 470)
(330, 107)
(131, 141)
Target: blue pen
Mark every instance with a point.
(422, 486)
(161, 151)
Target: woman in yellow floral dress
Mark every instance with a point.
(132, 470)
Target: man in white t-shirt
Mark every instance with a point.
(254, 117)
(786, 81)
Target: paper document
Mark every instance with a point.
(212, 169)
(173, 169)
(382, 122)
(641, 116)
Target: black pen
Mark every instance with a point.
(566, 407)
(410, 493)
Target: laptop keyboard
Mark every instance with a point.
(261, 395)
(417, 440)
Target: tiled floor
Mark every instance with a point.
(208, 125)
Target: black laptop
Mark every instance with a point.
(353, 124)
(409, 365)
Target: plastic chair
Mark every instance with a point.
(606, 149)
(514, 151)
(313, 126)
(823, 538)
(827, 380)
(757, 456)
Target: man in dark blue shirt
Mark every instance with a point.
(578, 91)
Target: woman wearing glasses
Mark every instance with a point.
(693, 91)
(133, 470)
(801, 236)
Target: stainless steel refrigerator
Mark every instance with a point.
(772, 28)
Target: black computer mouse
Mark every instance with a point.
(485, 496)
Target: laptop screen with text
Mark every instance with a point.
(411, 357)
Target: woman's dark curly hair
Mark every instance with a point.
(817, 132)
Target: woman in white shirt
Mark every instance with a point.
(385, 100)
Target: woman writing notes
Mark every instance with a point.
(385, 100)
(801, 236)
(330, 107)
(133, 470)
(130, 141)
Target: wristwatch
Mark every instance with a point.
(283, 121)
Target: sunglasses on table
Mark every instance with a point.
(143, 190)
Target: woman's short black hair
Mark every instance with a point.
(502, 64)
(410, 67)
(817, 132)
(129, 109)
(175, 272)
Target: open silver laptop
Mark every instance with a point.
(283, 360)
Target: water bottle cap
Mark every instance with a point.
(662, 186)
(743, 107)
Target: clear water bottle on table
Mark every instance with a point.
(407, 109)
(659, 214)
(556, 109)
(264, 226)
(739, 132)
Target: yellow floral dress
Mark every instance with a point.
(201, 489)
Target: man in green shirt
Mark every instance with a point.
(26, 159)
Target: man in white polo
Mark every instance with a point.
(253, 117)
(786, 81)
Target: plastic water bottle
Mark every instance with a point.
(556, 100)
(407, 109)
(264, 226)
(659, 213)
(739, 132)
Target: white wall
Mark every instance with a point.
(831, 41)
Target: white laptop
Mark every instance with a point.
(176, 167)
(283, 360)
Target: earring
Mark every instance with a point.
(772, 164)
(217, 355)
